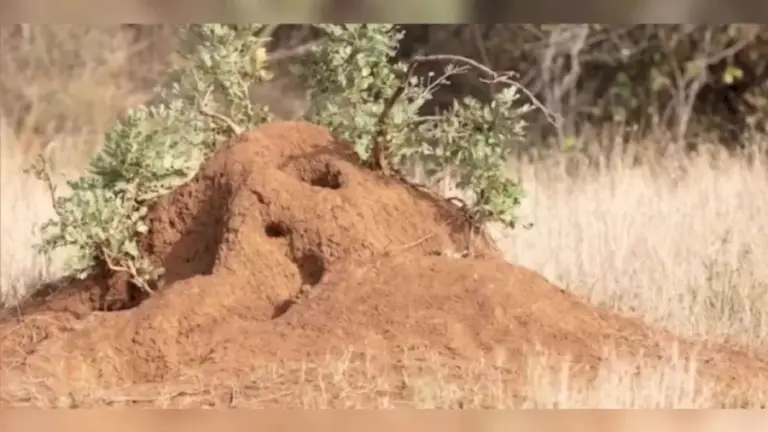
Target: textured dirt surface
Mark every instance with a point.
(283, 249)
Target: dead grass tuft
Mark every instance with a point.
(679, 242)
(61, 87)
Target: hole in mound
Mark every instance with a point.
(328, 178)
(311, 268)
(276, 229)
(118, 293)
(131, 298)
(282, 307)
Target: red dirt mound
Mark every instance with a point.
(282, 248)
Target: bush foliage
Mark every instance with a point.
(681, 81)
(156, 147)
(359, 90)
(362, 93)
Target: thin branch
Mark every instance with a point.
(294, 52)
(237, 130)
(380, 148)
(475, 29)
(130, 270)
(504, 77)
(733, 49)
(44, 171)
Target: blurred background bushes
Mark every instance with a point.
(668, 83)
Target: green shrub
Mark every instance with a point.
(363, 95)
(358, 91)
(156, 147)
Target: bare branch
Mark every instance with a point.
(237, 130)
(493, 76)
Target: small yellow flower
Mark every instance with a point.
(258, 61)
(731, 74)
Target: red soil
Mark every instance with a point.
(283, 249)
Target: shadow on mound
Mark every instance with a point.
(279, 207)
(283, 248)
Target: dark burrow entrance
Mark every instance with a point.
(327, 177)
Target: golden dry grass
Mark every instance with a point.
(22, 198)
(678, 243)
(61, 87)
(359, 380)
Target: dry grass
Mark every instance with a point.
(682, 242)
(646, 241)
(22, 198)
(61, 87)
(358, 380)
(678, 243)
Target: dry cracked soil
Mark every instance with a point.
(282, 249)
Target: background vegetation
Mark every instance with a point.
(681, 82)
(645, 192)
